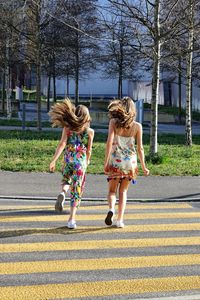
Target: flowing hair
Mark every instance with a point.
(123, 111)
(65, 114)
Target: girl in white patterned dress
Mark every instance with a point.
(121, 157)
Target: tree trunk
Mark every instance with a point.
(179, 90)
(188, 120)
(48, 92)
(7, 80)
(54, 87)
(54, 79)
(77, 87)
(38, 65)
(120, 72)
(120, 86)
(8, 94)
(38, 95)
(155, 83)
(77, 68)
(67, 91)
(77, 77)
(3, 90)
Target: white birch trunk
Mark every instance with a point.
(188, 117)
(38, 68)
(155, 82)
(7, 79)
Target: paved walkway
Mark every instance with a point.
(162, 128)
(152, 188)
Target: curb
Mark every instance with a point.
(142, 200)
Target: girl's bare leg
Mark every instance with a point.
(112, 190)
(73, 211)
(65, 188)
(123, 188)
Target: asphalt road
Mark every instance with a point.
(152, 188)
(156, 255)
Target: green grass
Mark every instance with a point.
(33, 151)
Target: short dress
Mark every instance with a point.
(75, 164)
(123, 159)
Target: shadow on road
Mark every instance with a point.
(59, 230)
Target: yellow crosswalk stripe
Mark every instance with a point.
(98, 264)
(112, 229)
(99, 244)
(99, 207)
(141, 206)
(101, 288)
(136, 216)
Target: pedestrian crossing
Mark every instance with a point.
(156, 255)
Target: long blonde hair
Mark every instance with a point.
(65, 114)
(123, 111)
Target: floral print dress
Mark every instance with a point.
(123, 158)
(75, 164)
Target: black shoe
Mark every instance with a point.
(109, 218)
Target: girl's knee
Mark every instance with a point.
(65, 188)
(111, 194)
(123, 192)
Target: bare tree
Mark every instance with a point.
(189, 58)
(9, 45)
(184, 46)
(80, 32)
(36, 21)
(119, 60)
(151, 21)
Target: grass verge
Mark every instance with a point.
(32, 152)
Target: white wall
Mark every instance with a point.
(92, 86)
(143, 90)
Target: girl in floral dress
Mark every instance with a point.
(121, 157)
(76, 141)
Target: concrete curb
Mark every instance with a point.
(189, 297)
(101, 199)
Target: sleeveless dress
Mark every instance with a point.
(75, 164)
(123, 158)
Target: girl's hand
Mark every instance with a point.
(146, 171)
(52, 166)
(106, 168)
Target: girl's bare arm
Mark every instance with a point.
(111, 133)
(90, 142)
(59, 149)
(140, 149)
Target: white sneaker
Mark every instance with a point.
(71, 224)
(120, 224)
(60, 202)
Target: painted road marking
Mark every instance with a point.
(99, 244)
(99, 207)
(101, 288)
(136, 216)
(98, 264)
(112, 229)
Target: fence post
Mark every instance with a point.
(23, 116)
